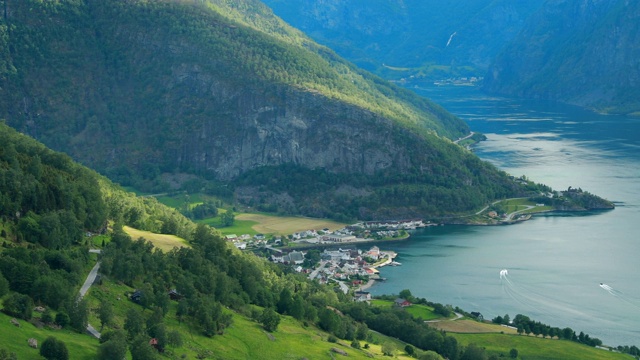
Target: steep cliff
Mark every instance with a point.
(583, 52)
(217, 89)
(461, 37)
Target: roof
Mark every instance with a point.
(296, 256)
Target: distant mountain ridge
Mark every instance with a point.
(433, 38)
(583, 52)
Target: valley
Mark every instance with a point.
(217, 184)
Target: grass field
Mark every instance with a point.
(524, 205)
(161, 241)
(471, 326)
(285, 225)
(532, 348)
(239, 226)
(14, 339)
(417, 310)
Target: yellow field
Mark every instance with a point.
(470, 326)
(161, 241)
(281, 225)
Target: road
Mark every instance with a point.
(85, 287)
(315, 272)
(464, 138)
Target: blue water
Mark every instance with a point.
(556, 262)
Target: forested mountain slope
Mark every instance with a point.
(224, 300)
(583, 52)
(430, 39)
(227, 91)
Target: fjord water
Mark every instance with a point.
(573, 270)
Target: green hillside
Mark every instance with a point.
(155, 94)
(208, 300)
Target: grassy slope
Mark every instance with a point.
(245, 339)
(14, 339)
(163, 242)
(532, 348)
(418, 311)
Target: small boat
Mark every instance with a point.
(395, 263)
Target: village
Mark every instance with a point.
(362, 232)
(340, 261)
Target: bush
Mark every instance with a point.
(19, 305)
(62, 319)
(513, 353)
(332, 339)
(54, 349)
(355, 344)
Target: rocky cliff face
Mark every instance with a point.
(583, 52)
(132, 88)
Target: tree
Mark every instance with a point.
(54, 349)
(284, 302)
(406, 294)
(134, 323)
(513, 353)
(473, 352)
(388, 348)
(227, 218)
(409, 350)
(19, 305)
(174, 338)
(430, 355)
(141, 350)
(105, 313)
(4, 285)
(62, 319)
(78, 314)
(114, 345)
(270, 319)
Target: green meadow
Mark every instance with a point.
(535, 348)
(417, 310)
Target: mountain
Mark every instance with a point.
(226, 91)
(204, 300)
(399, 38)
(583, 52)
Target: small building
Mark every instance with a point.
(136, 296)
(401, 302)
(477, 316)
(232, 237)
(174, 295)
(362, 296)
(294, 257)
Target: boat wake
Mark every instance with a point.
(631, 301)
(537, 301)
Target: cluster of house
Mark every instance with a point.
(349, 268)
(367, 229)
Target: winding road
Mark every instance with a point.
(85, 287)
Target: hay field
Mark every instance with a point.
(470, 326)
(161, 241)
(285, 225)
